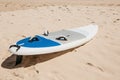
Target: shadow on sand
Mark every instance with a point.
(28, 61)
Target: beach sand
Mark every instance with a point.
(97, 60)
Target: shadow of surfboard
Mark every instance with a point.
(28, 61)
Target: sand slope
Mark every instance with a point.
(97, 60)
(10, 5)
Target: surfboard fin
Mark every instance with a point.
(18, 59)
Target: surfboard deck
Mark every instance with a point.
(54, 41)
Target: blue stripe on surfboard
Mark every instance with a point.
(43, 42)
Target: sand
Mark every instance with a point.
(97, 60)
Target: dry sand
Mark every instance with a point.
(97, 60)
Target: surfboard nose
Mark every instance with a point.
(91, 30)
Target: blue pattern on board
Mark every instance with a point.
(43, 42)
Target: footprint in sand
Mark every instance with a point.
(116, 20)
(78, 9)
(59, 19)
(106, 36)
(17, 75)
(6, 5)
(100, 69)
(59, 7)
(28, 6)
(52, 10)
(37, 71)
(92, 22)
(12, 15)
(23, 36)
(64, 5)
(118, 5)
(11, 23)
(115, 14)
(90, 64)
(110, 4)
(75, 50)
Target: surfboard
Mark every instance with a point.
(54, 41)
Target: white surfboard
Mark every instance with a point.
(54, 41)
